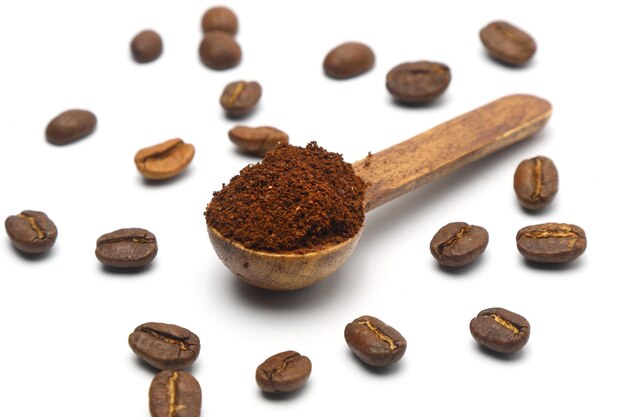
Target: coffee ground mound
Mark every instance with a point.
(296, 200)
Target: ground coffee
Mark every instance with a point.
(296, 200)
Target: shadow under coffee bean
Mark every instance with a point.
(504, 357)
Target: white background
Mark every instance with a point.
(65, 320)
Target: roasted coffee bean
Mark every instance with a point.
(374, 342)
(126, 248)
(458, 244)
(257, 140)
(508, 43)
(164, 160)
(220, 18)
(240, 97)
(219, 50)
(348, 60)
(175, 394)
(536, 182)
(283, 372)
(31, 231)
(551, 243)
(165, 346)
(70, 126)
(500, 330)
(146, 46)
(418, 82)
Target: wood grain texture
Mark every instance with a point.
(406, 166)
(281, 271)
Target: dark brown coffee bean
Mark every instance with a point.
(164, 160)
(220, 18)
(257, 140)
(536, 182)
(500, 330)
(70, 126)
(175, 394)
(165, 346)
(374, 342)
(508, 43)
(348, 60)
(146, 46)
(31, 231)
(126, 248)
(240, 97)
(283, 372)
(418, 82)
(219, 50)
(458, 244)
(551, 243)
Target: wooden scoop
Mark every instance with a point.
(389, 174)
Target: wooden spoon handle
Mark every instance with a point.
(401, 168)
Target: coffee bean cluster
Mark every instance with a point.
(170, 348)
(219, 49)
(459, 244)
(536, 183)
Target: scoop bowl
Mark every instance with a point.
(281, 271)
